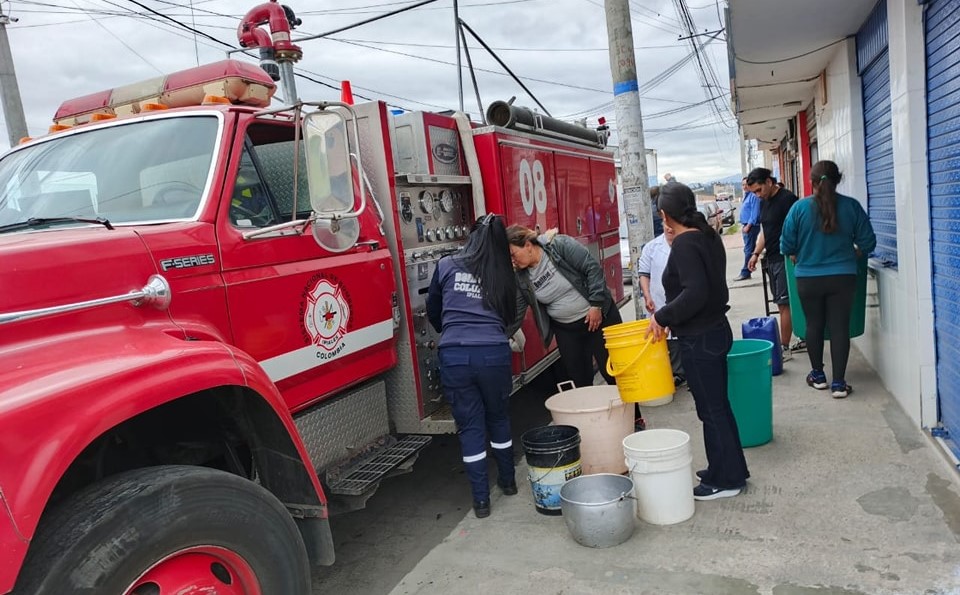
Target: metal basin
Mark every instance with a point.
(598, 509)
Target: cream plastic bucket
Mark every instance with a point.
(660, 462)
(603, 419)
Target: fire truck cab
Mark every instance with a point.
(213, 319)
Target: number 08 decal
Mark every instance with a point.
(533, 188)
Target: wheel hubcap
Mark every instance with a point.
(198, 570)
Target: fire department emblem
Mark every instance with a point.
(326, 314)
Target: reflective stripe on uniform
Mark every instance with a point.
(475, 458)
(502, 445)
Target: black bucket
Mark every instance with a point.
(553, 457)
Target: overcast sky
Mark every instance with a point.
(66, 48)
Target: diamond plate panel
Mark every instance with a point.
(361, 478)
(342, 428)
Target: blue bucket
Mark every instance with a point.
(768, 329)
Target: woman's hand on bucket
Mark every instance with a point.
(655, 330)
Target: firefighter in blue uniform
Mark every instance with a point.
(472, 303)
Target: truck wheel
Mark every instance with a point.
(167, 530)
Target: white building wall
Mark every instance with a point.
(840, 121)
(898, 341)
(914, 327)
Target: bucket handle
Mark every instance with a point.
(569, 385)
(613, 373)
(554, 466)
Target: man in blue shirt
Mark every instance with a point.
(749, 225)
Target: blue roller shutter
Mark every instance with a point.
(942, 22)
(873, 65)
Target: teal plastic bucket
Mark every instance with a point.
(750, 389)
(858, 315)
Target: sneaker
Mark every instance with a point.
(817, 379)
(709, 492)
(840, 389)
(799, 347)
(639, 424)
(787, 354)
(481, 508)
(678, 381)
(741, 277)
(509, 488)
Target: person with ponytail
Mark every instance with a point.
(472, 302)
(696, 313)
(824, 235)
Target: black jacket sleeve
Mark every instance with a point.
(522, 306)
(435, 302)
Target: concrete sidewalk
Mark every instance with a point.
(849, 497)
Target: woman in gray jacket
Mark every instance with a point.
(564, 283)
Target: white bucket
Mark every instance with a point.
(603, 420)
(660, 465)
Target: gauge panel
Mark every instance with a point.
(427, 202)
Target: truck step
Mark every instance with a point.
(364, 476)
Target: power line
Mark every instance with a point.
(438, 61)
(353, 10)
(117, 37)
(196, 46)
(510, 49)
(778, 61)
(184, 25)
(653, 24)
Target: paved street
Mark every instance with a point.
(411, 514)
(849, 498)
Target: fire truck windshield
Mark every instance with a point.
(144, 171)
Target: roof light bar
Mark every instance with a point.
(239, 82)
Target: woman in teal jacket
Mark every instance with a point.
(824, 235)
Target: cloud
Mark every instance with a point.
(65, 52)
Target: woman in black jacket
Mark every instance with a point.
(696, 313)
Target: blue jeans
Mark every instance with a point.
(476, 382)
(704, 358)
(749, 245)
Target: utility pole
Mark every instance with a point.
(633, 161)
(744, 164)
(456, 36)
(9, 90)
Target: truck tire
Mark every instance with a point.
(163, 530)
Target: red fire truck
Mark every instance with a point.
(212, 320)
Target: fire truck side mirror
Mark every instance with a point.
(330, 179)
(329, 171)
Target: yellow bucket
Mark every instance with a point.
(640, 365)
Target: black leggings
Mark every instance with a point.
(827, 302)
(580, 347)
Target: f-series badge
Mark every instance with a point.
(187, 262)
